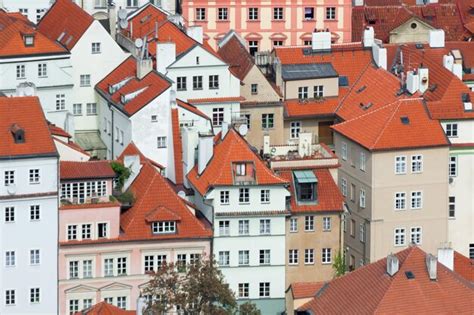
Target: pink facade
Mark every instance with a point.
(272, 22)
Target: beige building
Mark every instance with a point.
(415, 30)
(394, 177)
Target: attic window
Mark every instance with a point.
(18, 133)
(29, 40)
(305, 184)
(366, 106)
(419, 46)
(405, 120)
(466, 99)
(413, 25)
(68, 40)
(61, 36)
(409, 275)
(164, 227)
(343, 81)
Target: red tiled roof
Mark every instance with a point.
(233, 148)
(152, 85)
(370, 290)
(216, 100)
(110, 204)
(161, 214)
(73, 146)
(328, 195)
(311, 108)
(65, 17)
(86, 170)
(131, 149)
(56, 131)
(152, 191)
(383, 129)
(103, 308)
(464, 266)
(13, 27)
(177, 147)
(192, 109)
(236, 56)
(37, 141)
(301, 290)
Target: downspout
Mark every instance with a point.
(112, 132)
(211, 254)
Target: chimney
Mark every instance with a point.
(131, 162)
(431, 266)
(379, 53)
(266, 144)
(165, 56)
(436, 38)
(18, 133)
(304, 144)
(205, 151)
(190, 139)
(424, 79)
(173, 102)
(392, 265)
(26, 89)
(141, 305)
(144, 66)
(369, 36)
(413, 82)
(446, 257)
(112, 12)
(321, 41)
(225, 129)
(196, 32)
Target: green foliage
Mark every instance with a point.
(248, 308)
(339, 265)
(123, 173)
(126, 198)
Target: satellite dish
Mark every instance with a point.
(123, 24)
(122, 14)
(243, 129)
(139, 43)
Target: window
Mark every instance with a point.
(344, 187)
(352, 227)
(247, 120)
(451, 129)
(362, 161)
(244, 195)
(10, 258)
(39, 14)
(60, 102)
(400, 165)
(34, 295)
(353, 189)
(309, 223)
(87, 269)
(309, 256)
(326, 223)
(244, 257)
(267, 121)
(102, 230)
(164, 227)
(318, 91)
(108, 267)
(416, 200)
(295, 129)
(181, 83)
(224, 197)
(224, 258)
(73, 306)
(309, 13)
(95, 48)
(34, 212)
(85, 80)
(9, 297)
(213, 82)
(331, 13)
(362, 232)
(240, 169)
(9, 214)
(160, 142)
(399, 237)
(278, 14)
(254, 88)
(34, 177)
(453, 166)
(74, 269)
(222, 14)
(224, 228)
(77, 109)
(253, 14)
(326, 256)
(197, 82)
(293, 225)
(400, 201)
(34, 257)
(122, 302)
(149, 263)
(452, 207)
(243, 290)
(264, 289)
(243, 227)
(303, 92)
(109, 300)
(277, 43)
(200, 14)
(121, 266)
(265, 196)
(265, 226)
(415, 235)
(86, 303)
(42, 70)
(307, 42)
(417, 163)
(344, 151)
(253, 47)
(181, 262)
(86, 231)
(23, 11)
(72, 232)
(132, 3)
(20, 72)
(293, 257)
(471, 251)
(217, 116)
(264, 257)
(362, 198)
(91, 109)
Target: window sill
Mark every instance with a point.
(331, 20)
(91, 114)
(96, 53)
(85, 85)
(201, 21)
(309, 263)
(309, 231)
(20, 78)
(213, 88)
(309, 20)
(326, 263)
(197, 89)
(293, 264)
(293, 231)
(35, 183)
(278, 21)
(181, 90)
(223, 21)
(78, 115)
(251, 21)
(326, 230)
(244, 203)
(43, 76)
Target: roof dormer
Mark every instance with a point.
(29, 39)
(18, 133)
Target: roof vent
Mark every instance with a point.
(125, 98)
(405, 120)
(392, 265)
(466, 99)
(307, 51)
(366, 106)
(362, 88)
(433, 87)
(61, 36)
(431, 266)
(343, 81)
(117, 86)
(410, 275)
(18, 133)
(419, 46)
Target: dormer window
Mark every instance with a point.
(18, 133)
(240, 169)
(305, 185)
(243, 172)
(29, 40)
(164, 227)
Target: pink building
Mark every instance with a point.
(107, 250)
(265, 24)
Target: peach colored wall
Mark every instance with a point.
(266, 26)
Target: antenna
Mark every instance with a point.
(243, 130)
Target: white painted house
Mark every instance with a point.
(99, 8)
(246, 202)
(32, 9)
(29, 209)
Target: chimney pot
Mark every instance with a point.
(431, 266)
(392, 265)
(205, 151)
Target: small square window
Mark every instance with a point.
(96, 48)
(161, 142)
(254, 88)
(85, 80)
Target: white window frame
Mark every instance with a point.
(416, 232)
(400, 199)
(326, 255)
(399, 237)
(222, 14)
(295, 129)
(293, 225)
(344, 151)
(362, 198)
(303, 92)
(417, 163)
(244, 195)
(244, 257)
(309, 223)
(400, 167)
(417, 197)
(265, 196)
(225, 197)
(85, 80)
(200, 14)
(278, 13)
(161, 142)
(453, 166)
(293, 257)
(265, 227)
(224, 228)
(452, 130)
(309, 256)
(362, 161)
(253, 14)
(327, 224)
(244, 227)
(96, 48)
(344, 187)
(318, 91)
(42, 70)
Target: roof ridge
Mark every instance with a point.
(352, 87)
(387, 121)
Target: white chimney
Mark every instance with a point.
(141, 305)
(112, 12)
(431, 266)
(446, 257)
(173, 102)
(448, 62)
(266, 144)
(413, 82)
(369, 36)
(457, 70)
(392, 265)
(190, 139)
(436, 38)
(196, 32)
(304, 144)
(225, 128)
(379, 53)
(131, 162)
(321, 41)
(424, 79)
(165, 56)
(205, 151)
(144, 67)
(26, 89)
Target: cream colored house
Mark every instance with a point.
(415, 30)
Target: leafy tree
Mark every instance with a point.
(248, 308)
(339, 265)
(123, 173)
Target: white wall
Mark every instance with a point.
(36, 8)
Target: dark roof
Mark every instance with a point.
(308, 71)
(236, 55)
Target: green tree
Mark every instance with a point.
(123, 173)
(339, 265)
(248, 308)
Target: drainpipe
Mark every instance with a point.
(211, 254)
(112, 132)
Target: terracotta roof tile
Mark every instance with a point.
(37, 138)
(56, 131)
(301, 290)
(65, 17)
(464, 266)
(161, 214)
(110, 204)
(177, 147)
(191, 108)
(236, 56)
(73, 146)
(131, 149)
(70, 170)
(216, 100)
(104, 308)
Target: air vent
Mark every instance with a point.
(307, 51)
(409, 275)
(405, 120)
(419, 46)
(343, 81)
(361, 89)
